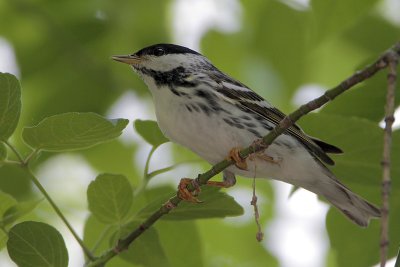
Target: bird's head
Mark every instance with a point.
(165, 62)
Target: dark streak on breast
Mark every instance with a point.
(256, 133)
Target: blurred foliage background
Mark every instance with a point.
(282, 49)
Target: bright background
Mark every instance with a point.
(287, 51)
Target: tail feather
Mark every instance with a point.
(327, 148)
(357, 209)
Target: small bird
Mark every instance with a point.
(214, 115)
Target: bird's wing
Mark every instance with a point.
(247, 99)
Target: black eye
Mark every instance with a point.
(159, 51)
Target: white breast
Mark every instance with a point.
(206, 135)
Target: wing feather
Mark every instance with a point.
(247, 99)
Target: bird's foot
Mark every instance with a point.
(185, 194)
(224, 184)
(267, 158)
(229, 180)
(261, 154)
(260, 144)
(235, 156)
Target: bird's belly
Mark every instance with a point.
(210, 137)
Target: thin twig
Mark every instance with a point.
(30, 156)
(260, 234)
(146, 167)
(288, 121)
(13, 149)
(146, 178)
(59, 213)
(392, 59)
(166, 169)
(24, 163)
(103, 235)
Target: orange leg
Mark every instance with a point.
(218, 184)
(239, 162)
(229, 180)
(185, 194)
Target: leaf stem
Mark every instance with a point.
(101, 238)
(12, 162)
(166, 169)
(59, 213)
(146, 167)
(30, 156)
(146, 177)
(13, 149)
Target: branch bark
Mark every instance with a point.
(392, 60)
(289, 120)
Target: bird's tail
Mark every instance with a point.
(357, 209)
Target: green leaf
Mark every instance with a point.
(223, 244)
(36, 244)
(72, 131)
(365, 101)
(330, 17)
(361, 35)
(216, 204)
(15, 181)
(19, 210)
(358, 247)
(150, 132)
(6, 201)
(120, 162)
(3, 239)
(272, 43)
(176, 245)
(3, 152)
(110, 198)
(10, 104)
(223, 236)
(358, 168)
(146, 250)
(96, 235)
(360, 139)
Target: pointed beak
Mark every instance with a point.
(128, 59)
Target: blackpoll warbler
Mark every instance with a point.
(214, 115)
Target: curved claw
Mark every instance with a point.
(235, 156)
(185, 194)
(229, 180)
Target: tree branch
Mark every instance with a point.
(288, 121)
(392, 59)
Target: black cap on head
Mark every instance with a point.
(165, 49)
